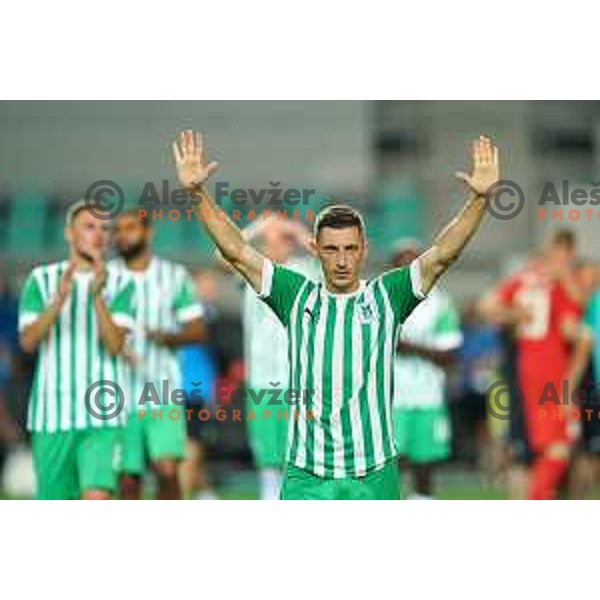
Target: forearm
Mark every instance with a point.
(192, 332)
(111, 335)
(192, 172)
(226, 235)
(234, 249)
(450, 242)
(31, 337)
(441, 358)
(249, 234)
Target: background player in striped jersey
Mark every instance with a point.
(429, 341)
(75, 314)
(167, 317)
(341, 333)
(265, 352)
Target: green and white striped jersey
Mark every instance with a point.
(341, 349)
(71, 358)
(165, 299)
(434, 325)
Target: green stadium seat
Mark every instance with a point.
(27, 218)
(55, 230)
(169, 236)
(398, 213)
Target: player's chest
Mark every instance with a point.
(539, 300)
(153, 300)
(330, 318)
(80, 299)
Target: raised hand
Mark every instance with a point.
(192, 167)
(486, 168)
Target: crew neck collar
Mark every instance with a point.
(361, 288)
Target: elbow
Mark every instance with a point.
(27, 347)
(232, 254)
(200, 331)
(114, 349)
(443, 258)
(27, 343)
(233, 249)
(116, 346)
(447, 259)
(451, 358)
(194, 333)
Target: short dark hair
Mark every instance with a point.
(338, 216)
(564, 237)
(145, 220)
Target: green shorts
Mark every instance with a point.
(157, 434)
(422, 434)
(383, 484)
(267, 434)
(69, 463)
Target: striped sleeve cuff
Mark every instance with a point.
(448, 341)
(415, 279)
(26, 319)
(123, 320)
(189, 313)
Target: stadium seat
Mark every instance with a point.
(169, 236)
(397, 214)
(27, 217)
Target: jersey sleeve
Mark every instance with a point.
(404, 290)
(31, 302)
(185, 304)
(122, 306)
(280, 288)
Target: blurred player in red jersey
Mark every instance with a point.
(544, 304)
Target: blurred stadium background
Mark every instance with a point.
(393, 160)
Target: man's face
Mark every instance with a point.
(342, 253)
(131, 236)
(88, 236)
(559, 255)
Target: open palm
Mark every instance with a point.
(486, 167)
(192, 168)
